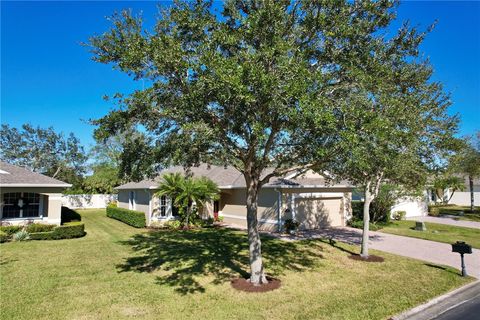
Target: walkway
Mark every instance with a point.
(430, 251)
(448, 220)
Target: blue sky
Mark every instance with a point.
(48, 78)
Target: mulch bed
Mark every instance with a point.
(245, 285)
(371, 258)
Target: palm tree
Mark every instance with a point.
(186, 191)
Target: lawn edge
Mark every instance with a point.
(415, 310)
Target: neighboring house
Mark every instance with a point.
(29, 196)
(460, 198)
(309, 198)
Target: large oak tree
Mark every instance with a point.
(253, 85)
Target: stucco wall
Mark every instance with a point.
(234, 210)
(142, 201)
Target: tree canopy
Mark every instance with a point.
(261, 84)
(44, 151)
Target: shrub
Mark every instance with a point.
(219, 219)
(358, 224)
(399, 215)
(291, 225)
(4, 237)
(11, 230)
(433, 210)
(133, 218)
(173, 224)
(357, 210)
(65, 231)
(38, 227)
(21, 235)
(69, 215)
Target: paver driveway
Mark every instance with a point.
(430, 251)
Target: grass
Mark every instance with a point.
(119, 272)
(435, 232)
(460, 212)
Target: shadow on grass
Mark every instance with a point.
(185, 256)
(447, 269)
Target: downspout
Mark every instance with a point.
(279, 207)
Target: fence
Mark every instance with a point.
(87, 201)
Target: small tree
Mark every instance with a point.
(452, 183)
(187, 191)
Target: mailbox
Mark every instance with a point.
(461, 247)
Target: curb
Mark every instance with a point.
(407, 314)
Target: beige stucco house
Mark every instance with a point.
(29, 196)
(308, 198)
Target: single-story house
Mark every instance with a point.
(29, 196)
(308, 198)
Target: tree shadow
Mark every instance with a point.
(186, 256)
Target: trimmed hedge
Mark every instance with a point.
(4, 237)
(10, 230)
(133, 218)
(66, 231)
(38, 227)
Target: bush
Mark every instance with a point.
(358, 224)
(173, 224)
(4, 237)
(399, 215)
(133, 218)
(21, 235)
(38, 227)
(433, 210)
(65, 231)
(11, 230)
(357, 210)
(69, 215)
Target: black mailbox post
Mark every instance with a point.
(462, 248)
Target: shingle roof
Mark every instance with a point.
(14, 176)
(229, 178)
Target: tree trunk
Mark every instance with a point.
(472, 199)
(257, 274)
(366, 223)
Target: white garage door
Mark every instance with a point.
(314, 213)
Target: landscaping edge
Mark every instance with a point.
(416, 310)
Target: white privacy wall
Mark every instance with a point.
(87, 201)
(462, 198)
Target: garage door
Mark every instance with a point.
(314, 213)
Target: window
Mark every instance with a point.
(163, 206)
(131, 200)
(21, 205)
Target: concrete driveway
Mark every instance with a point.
(430, 251)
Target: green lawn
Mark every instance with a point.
(460, 212)
(118, 272)
(435, 232)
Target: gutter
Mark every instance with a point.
(15, 185)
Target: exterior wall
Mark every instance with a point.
(232, 205)
(50, 207)
(88, 201)
(233, 208)
(142, 201)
